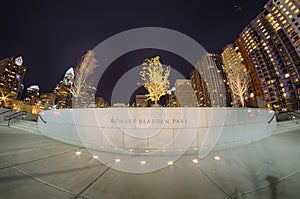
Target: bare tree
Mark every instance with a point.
(238, 81)
(155, 78)
(80, 87)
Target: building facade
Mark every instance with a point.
(12, 73)
(32, 95)
(270, 49)
(200, 89)
(63, 96)
(217, 58)
(185, 94)
(46, 101)
(141, 101)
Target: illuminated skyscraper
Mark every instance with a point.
(47, 100)
(63, 97)
(217, 58)
(12, 73)
(233, 56)
(32, 95)
(215, 84)
(200, 89)
(270, 47)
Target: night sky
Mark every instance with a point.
(53, 35)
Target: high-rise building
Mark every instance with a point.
(12, 73)
(217, 58)
(233, 56)
(200, 89)
(171, 98)
(46, 100)
(215, 84)
(255, 98)
(32, 95)
(63, 96)
(185, 95)
(270, 48)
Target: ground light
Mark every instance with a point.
(195, 161)
(217, 158)
(170, 163)
(142, 162)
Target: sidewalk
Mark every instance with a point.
(33, 166)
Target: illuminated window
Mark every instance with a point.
(281, 84)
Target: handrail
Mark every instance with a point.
(272, 118)
(42, 119)
(9, 110)
(7, 117)
(14, 115)
(294, 114)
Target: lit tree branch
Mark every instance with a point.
(86, 67)
(238, 81)
(155, 78)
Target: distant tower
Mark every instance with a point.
(12, 73)
(47, 100)
(32, 95)
(63, 97)
(185, 94)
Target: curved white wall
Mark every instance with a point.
(166, 130)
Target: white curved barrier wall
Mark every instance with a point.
(166, 130)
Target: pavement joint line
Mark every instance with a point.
(47, 183)
(35, 160)
(212, 180)
(267, 185)
(91, 183)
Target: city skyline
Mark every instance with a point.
(53, 37)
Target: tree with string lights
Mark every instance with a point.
(238, 81)
(80, 88)
(155, 78)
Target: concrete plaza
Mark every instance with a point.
(33, 166)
